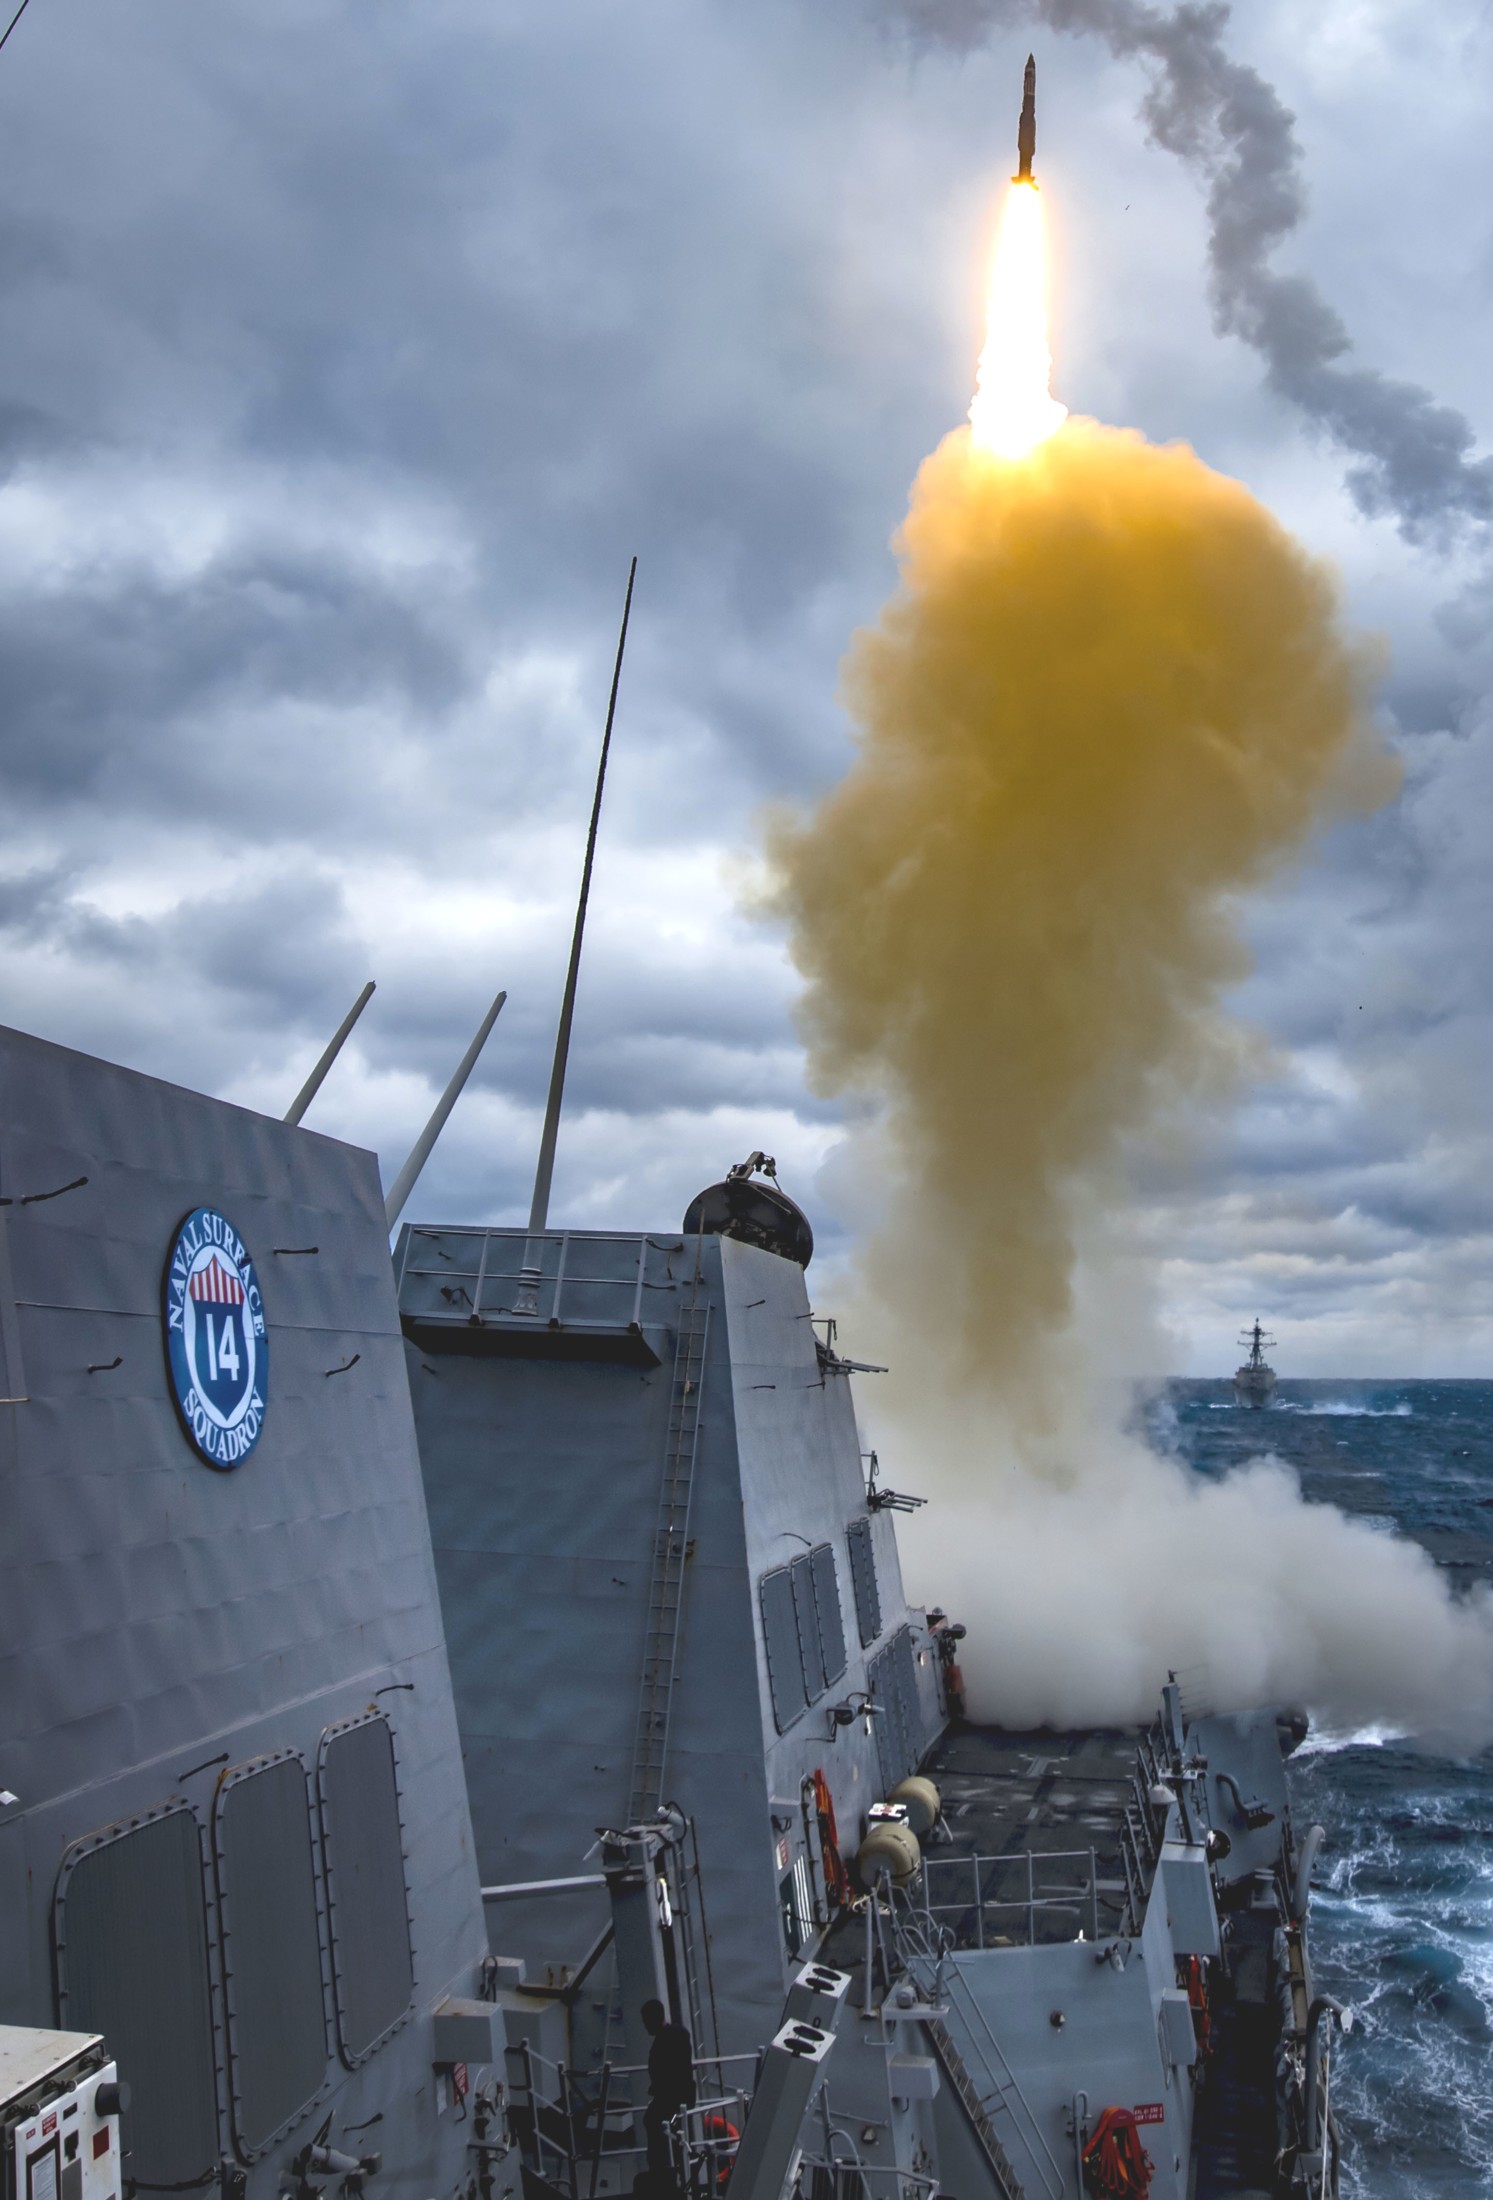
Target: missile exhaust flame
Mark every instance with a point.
(1013, 409)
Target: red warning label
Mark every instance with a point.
(1149, 2112)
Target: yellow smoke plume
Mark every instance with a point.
(1109, 699)
(1110, 696)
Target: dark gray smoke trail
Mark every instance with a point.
(1411, 455)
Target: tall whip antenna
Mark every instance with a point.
(539, 1211)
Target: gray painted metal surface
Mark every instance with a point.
(367, 1898)
(272, 1956)
(546, 1440)
(243, 1848)
(162, 1625)
(130, 1907)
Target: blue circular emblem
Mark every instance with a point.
(216, 1347)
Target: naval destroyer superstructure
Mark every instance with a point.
(289, 1904)
(235, 1847)
(1254, 1379)
(1075, 1963)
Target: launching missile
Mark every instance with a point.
(1026, 128)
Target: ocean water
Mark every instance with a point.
(1402, 1920)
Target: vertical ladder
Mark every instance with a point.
(699, 1986)
(671, 1536)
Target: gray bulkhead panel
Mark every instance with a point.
(803, 1487)
(543, 1471)
(163, 1623)
(543, 1479)
(1246, 1745)
(1108, 2043)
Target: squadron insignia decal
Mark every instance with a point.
(216, 1346)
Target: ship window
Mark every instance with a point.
(863, 1580)
(829, 1626)
(367, 1904)
(785, 1658)
(131, 1923)
(272, 1948)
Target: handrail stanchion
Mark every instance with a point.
(603, 2100)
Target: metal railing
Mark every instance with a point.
(546, 1278)
(981, 1887)
(977, 2068)
(575, 2122)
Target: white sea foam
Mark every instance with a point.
(1342, 1409)
(1334, 1409)
(1324, 1741)
(1327, 1408)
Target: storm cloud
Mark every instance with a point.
(352, 350)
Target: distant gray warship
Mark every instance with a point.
(1254, 1382)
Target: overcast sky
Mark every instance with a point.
(352, 347)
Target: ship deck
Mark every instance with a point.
(1034, 1845)
(1051, 1809)
(1036, 1834)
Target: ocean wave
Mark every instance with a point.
(1323, 1742)
(1416, 1962)
(1342, 1409)
(1402, 1908)
(1339, 1409)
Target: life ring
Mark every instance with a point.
(716, 2131)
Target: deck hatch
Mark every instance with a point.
(132, 1963)
(367, 1900)
(829, 1625)
(863, 1580)
(271, 1948)
(785, 1658)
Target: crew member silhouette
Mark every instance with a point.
(671, 2086)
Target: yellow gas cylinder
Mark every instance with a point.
(922, 1800)
(890, 1850)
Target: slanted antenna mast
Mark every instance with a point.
(409, 1175)
(539, 1210)
(313, 1084)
